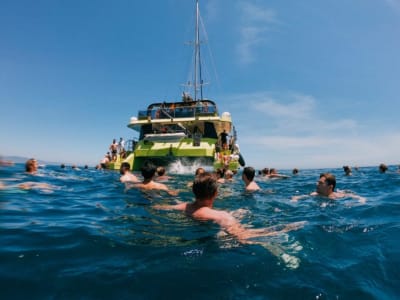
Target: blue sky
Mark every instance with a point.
(308, 83)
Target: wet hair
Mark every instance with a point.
(295, 171)
(228, 174)
(383, 168)
(125, 166)
(200, 171)
(148, 169)
(249, 172)
(347, 169)
(205, 186)
(272, 171)
(160, 171)
(330, 179)
(265, 171)
(220, 172)
(29, 165)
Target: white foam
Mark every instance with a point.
(185, 167)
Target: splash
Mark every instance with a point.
(184, 167)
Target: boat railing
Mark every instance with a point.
(130, 145)
(180, 112)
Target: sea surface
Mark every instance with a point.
(84, 236)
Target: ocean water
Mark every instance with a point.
(86, 237)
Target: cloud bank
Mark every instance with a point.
(288, 129)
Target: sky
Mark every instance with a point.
(309, 84)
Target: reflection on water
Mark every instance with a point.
(79, 234)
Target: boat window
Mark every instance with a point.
(145, 130)
(179, 110)
(209, 130)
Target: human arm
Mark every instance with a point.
(232, 226)
(350, 194)
(300, 197)
(179, 206)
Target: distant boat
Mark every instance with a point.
(187, 130)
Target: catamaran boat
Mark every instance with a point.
(191, 129)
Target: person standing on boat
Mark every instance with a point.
(121, 145)
(224, 138)
(121, 148)
(114, 150)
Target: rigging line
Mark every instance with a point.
(214, 69)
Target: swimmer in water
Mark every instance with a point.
(205, 189)
(326, 188)
(148, 172)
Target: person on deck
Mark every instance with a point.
(114, 150)
(121, 146)
(224, 138)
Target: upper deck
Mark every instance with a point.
(183, 109)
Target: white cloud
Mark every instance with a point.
(394, 4)
(290, 114)
(255, 21)
(286, 130)
(252, 13)
(299, 108)
(320, 151)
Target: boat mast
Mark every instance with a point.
(197, 61)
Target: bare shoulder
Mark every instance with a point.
(180, 206)
(220, 217)
(253, 186)
(160, 186)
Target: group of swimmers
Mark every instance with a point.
(205, 189)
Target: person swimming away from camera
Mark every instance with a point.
(148, 170)
(205, 190)
(248, 178)
(161, 174)
(126, 174)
